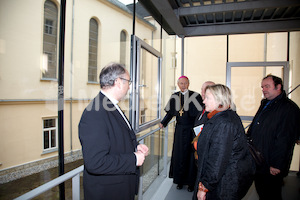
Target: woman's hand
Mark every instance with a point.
(201, 195)
(274, 171)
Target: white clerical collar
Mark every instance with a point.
(113, 100)
(183, 93)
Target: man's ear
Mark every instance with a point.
(117, 83)
(278, 87)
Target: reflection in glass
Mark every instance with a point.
(148, 85)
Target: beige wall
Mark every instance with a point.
(21, 49)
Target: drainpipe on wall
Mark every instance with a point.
(71, 80)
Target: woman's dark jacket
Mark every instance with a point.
(274, 131)
(225, 165)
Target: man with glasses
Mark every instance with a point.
(110, 150)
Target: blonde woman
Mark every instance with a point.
(225, 166)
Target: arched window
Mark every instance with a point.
(123, 47)
(50, 40)
(93, 51)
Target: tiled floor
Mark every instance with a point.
(168, 191)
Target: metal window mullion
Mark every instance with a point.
(137, 88)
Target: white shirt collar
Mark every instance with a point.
(113, 100)
(184, 92)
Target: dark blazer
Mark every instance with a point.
(108, 147)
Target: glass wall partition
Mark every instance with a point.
(244, 78)
(206, 59)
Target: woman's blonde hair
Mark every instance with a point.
(222, 95)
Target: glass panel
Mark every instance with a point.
(123, 46)
(50, 40)
(48, 123)
(93, 51)
(246, 87)
(151, 165)
(46, 139)
(53, 138)
(148, 86)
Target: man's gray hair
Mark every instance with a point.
(110, 73)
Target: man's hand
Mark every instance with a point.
(143, 149)
(161, 125)
(140, 158)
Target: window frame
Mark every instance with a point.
(137, 45)
(55, 148)
(123, 47)
(91, 67)
(49, 31)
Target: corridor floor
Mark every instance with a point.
(168, 191)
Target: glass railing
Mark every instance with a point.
(159, 142)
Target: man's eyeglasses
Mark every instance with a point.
(129, 81)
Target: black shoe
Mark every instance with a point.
(190, 188)
(179, 187)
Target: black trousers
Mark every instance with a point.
(268, 186)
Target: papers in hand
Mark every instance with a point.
(198, 129)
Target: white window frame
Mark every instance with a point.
(50, 149)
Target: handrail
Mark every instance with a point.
(75, 175)
(47, 186)
(293, 89)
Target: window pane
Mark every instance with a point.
(245, 95)
(93, 50)
(50, 40)
(48, 123)
(46, 139)
(123, 48)
(53, 138)
(148, 87)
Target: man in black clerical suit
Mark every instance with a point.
(185, 105)
(110, 150)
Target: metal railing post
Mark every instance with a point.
(140, 194)
(76, 187)
(166, 131)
